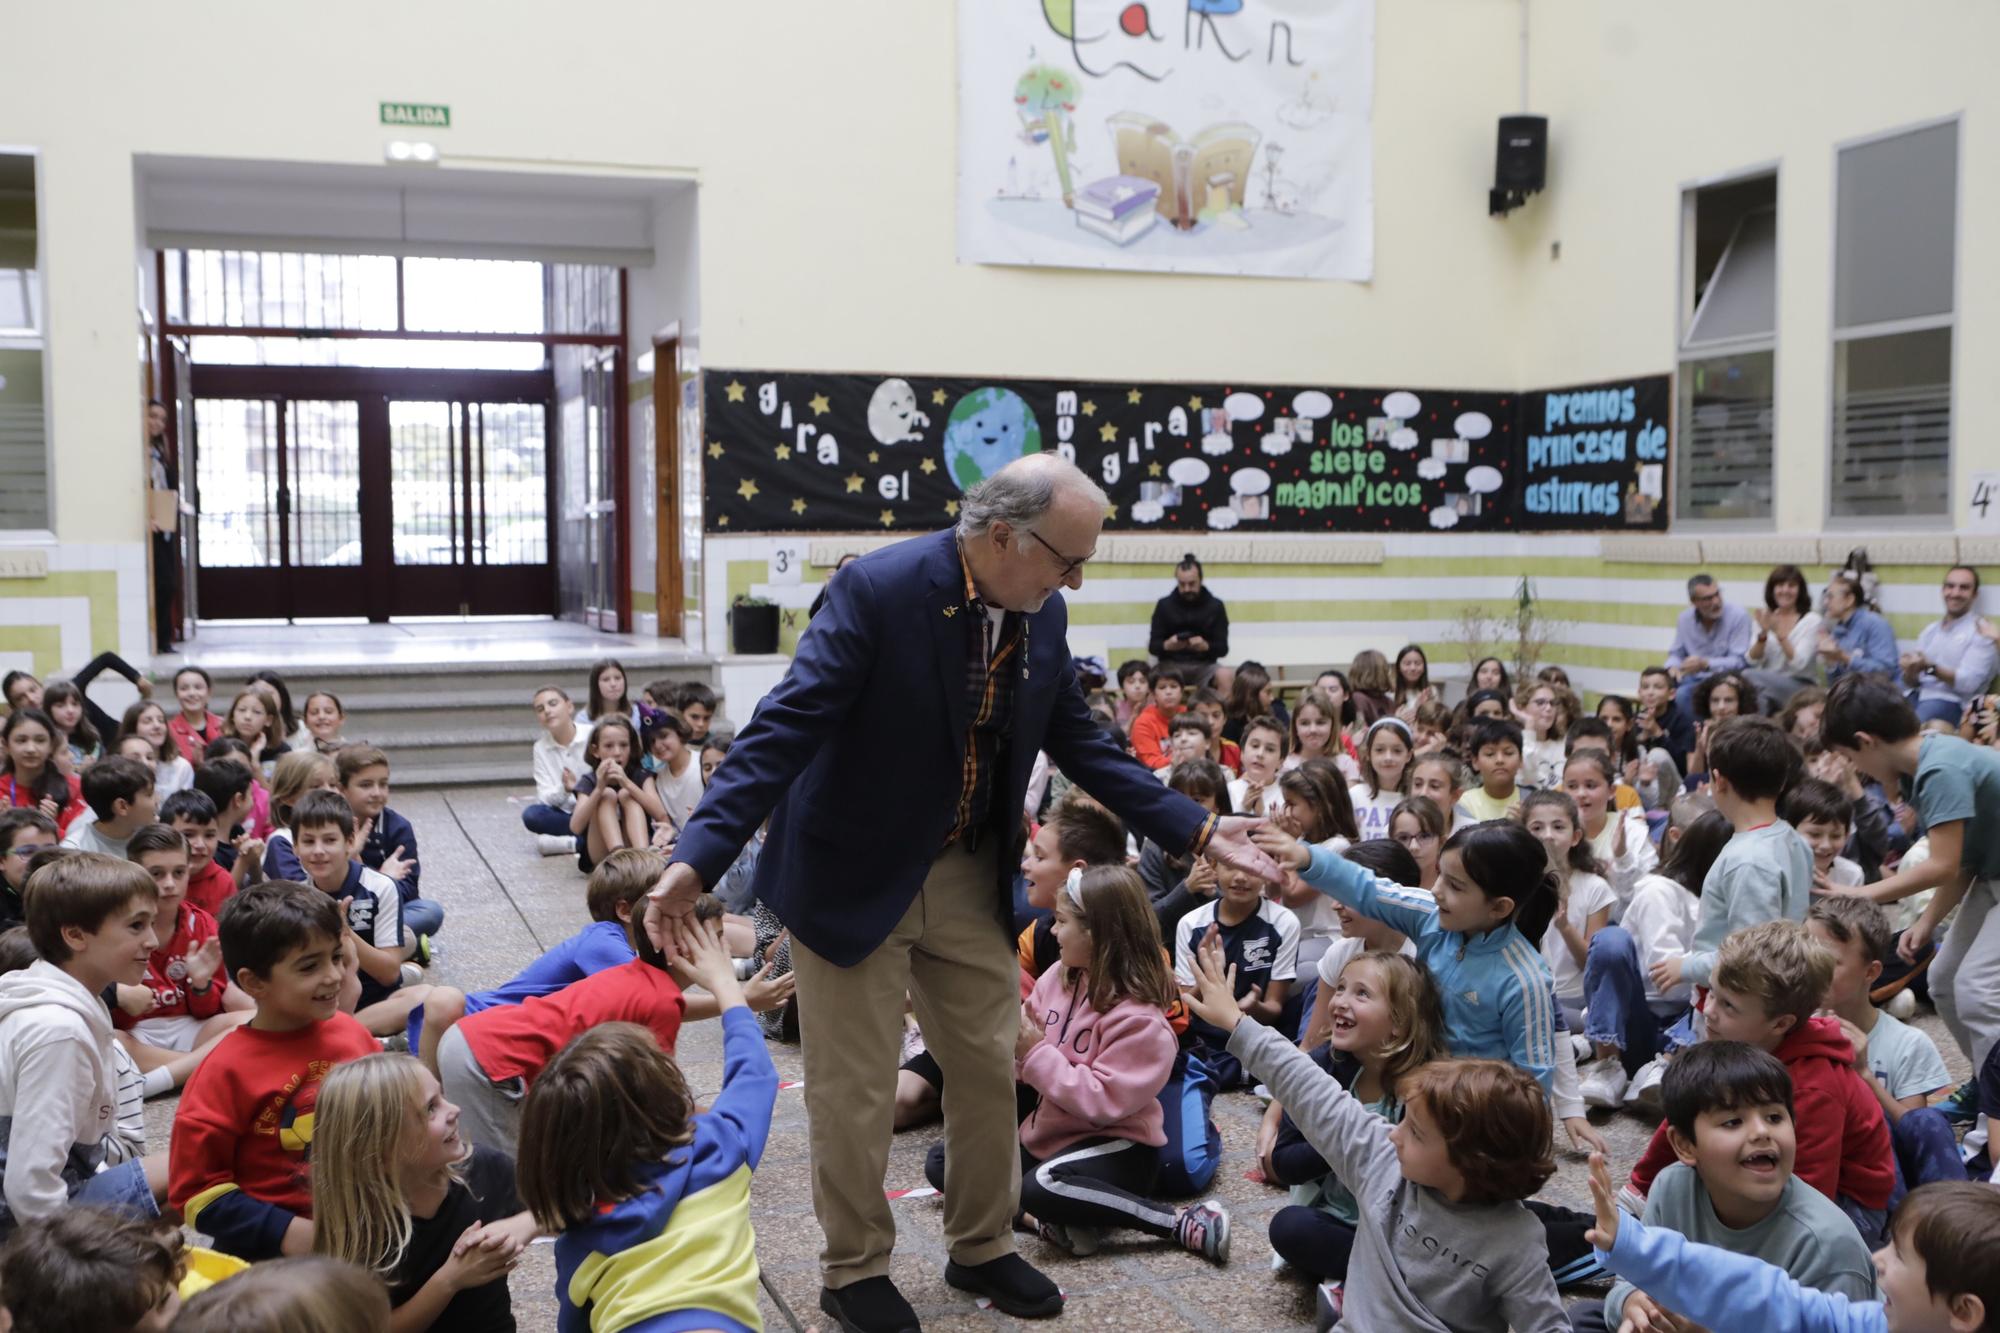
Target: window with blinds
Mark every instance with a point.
(1728, 349)
(1894, 319)
(24, 435)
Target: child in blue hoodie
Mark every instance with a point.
(1478, 932)
(649, 1200)
(1939, 1273)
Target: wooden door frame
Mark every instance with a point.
(669, 572)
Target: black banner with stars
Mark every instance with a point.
(809, 452)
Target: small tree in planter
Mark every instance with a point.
(1521, 636)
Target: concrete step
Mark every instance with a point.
(449, 772)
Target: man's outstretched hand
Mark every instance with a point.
(671, 900)
(1231, 845)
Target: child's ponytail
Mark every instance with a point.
(1504, 860)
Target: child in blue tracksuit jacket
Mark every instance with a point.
(1478, 933)
(650, 1201)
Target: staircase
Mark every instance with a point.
(468, 723)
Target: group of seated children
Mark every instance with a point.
(421, 1208)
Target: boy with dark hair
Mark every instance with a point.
(1495, 746)
(91, 919)
(240, 1171)
(1135, 683)
(1939, 1272)
(1955, 787)
(227, 786)
(1769, 980)
(1824, 816)
(1207, 705)
(192, 815)
(93, 1269)
(23, 832)
(1766, 871)
(669, 758)
(391, 844)
(697, 705)
(1187, 740)
(1661, 723)
(322, 833)
(119, 792)
(1150, 727)
(1729, 1122)
(1260, 939)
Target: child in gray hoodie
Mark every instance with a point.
(1444, 1245)
(90, 917)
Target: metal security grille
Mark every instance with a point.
(238, 476)
(325, 483)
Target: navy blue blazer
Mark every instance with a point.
(857, 754)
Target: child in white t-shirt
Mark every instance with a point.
(1584, 901)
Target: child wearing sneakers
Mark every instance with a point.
(1443, 1243)
(1627, 1014)
(1766, 871)
(1769, 979)
(1729, 1119)
(1096, 1048)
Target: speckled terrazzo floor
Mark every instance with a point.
(505, 904)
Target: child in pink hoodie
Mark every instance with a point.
(1096, 1046)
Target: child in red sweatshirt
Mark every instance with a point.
(1096, 1046)
(1768, 980)
(1151, 728)
(238, 1166)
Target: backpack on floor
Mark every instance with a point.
(1194, 1145)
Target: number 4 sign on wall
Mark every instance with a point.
(1982, 510)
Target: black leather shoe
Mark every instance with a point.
(1013, 1285)
(872, 1305)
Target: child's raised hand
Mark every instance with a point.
(478, 1257)
(698, 958)
(362, 829)
(1859, 1040)
(50, 808)
(1213, 995)
(1201, 877)
(1604, 1201)
(395, 866)
(1030, 1035)
(765, 992)
(202, 960)
(1282, 847)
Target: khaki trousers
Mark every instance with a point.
(951, 953)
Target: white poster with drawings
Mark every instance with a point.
(1174, 136)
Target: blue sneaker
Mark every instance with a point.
(1962, 1107)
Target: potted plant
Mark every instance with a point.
(753, 626)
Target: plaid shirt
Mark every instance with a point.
(989, 685)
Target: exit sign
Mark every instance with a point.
(421, 115)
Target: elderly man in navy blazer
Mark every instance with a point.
(893, 761)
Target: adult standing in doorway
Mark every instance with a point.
(1710, 636)
(166, 540)
(1953, 660)
(1855, 638)
(892, 761)
(1190, 624)
(1784, 657)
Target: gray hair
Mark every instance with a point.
(1020, 493)
(1700, 581)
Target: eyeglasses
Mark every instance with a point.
(1416, 839)
(1069, 565)
(27, 853)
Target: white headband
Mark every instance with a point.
(1074, 886)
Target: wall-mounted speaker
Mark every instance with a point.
(1520, 164)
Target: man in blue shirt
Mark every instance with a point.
(1855, 638)
(1954, 658)
(1709, 637)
